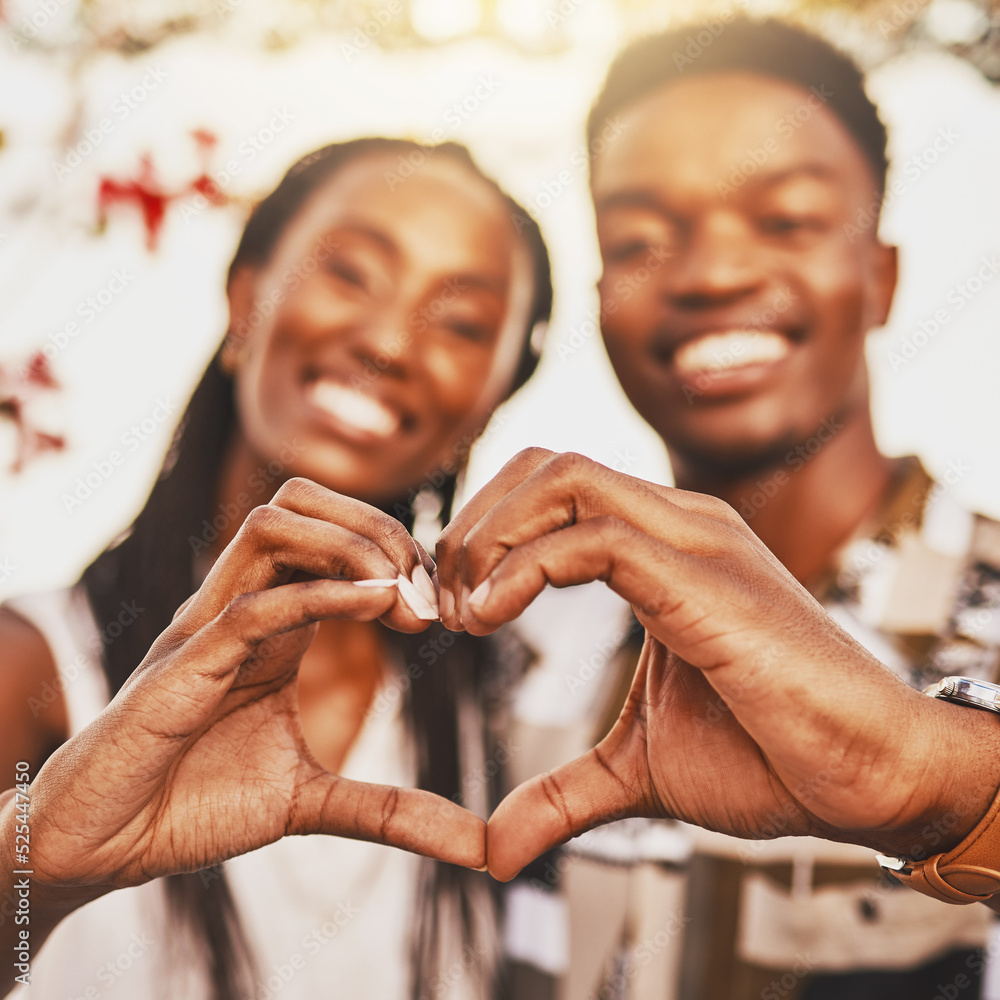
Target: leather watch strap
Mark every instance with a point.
(969, 873)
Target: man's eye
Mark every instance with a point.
(626, 250)
(779, 225)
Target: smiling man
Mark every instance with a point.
(742, 271)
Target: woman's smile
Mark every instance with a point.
(352, 413)
(399, 347)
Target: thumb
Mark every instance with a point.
(407, 818)
(553, 807)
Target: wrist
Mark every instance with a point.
(951, 780)
(48, 901)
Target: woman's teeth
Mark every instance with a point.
(718, 353)
(354, 409)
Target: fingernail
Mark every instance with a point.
(425, 585)
(446, 602)
(463, 609)
(485, 868)
(422, 554)
(479, 596)
(415, 600)
(374, 583)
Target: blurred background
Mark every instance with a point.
(135, 136)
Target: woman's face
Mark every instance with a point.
(384, 329)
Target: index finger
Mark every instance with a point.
(314, 501)
(569, 489)
(535, 493)
(308, 529)
(413, 563)
(449, 546)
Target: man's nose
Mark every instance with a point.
(717, 263)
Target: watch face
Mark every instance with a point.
(893, 865)
(967, 691)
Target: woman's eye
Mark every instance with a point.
(347, 271)
(469, 330)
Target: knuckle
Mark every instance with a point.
(532, 456)
(262, 522)
(611, 529)
(582, 483)
(553, 793)
(384, 527)
(387, 820)
(733, 537)
(466, 547)
(727, 513)
(362, 557)
(236, 613)
(183, 607)
(295, 489)
(478, 548)
(370, 550)
(569, 465)
(718, 508)
(448, 544)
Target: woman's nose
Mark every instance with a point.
(384, 340)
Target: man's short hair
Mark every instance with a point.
(769, 47)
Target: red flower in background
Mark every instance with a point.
(18, 384)
(149, 194)
(144, 190)
(203, 183)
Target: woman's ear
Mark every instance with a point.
(885, 274)
(240, 291)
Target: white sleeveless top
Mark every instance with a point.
(325, 917)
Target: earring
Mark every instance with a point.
(233, 352)
(428, 506)
(537, 339)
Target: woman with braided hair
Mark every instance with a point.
(374, 327)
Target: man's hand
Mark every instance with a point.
(749, 704)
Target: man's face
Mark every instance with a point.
(737, 286)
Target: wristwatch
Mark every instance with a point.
(970, 872)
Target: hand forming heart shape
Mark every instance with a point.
(750, 713)
(733, 644)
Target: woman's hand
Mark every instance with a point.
(751, 712)
(200, 756)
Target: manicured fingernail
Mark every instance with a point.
(415, 600)
(446, 602)
(374, 583)
(479, 596)
(425, 585)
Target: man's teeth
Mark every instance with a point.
(716, 353)
(353, 408)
